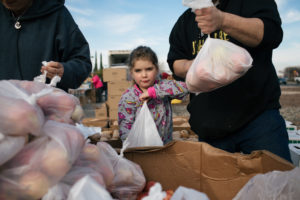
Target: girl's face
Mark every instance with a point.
(144, 73)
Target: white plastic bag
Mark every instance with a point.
(183, 193)
(88, 189)
(155, 193)
(218, 63)
(42, 78)
(58, 192)
(143, 131)
(272, 185)
(197, 4)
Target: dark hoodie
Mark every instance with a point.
(229, 109)
(48, 33)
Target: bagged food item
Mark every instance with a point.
(91, 161)
(19, 113)
(143, 131)
(272, 185)
(88, 189)
(58, 192)
(10, 146)
(56, 105)
(129, 179)
(41, 163)
(218, 64)
(61, 106)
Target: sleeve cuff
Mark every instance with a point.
(151, 92)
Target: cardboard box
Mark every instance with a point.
(113, 101)
(295, 154)
(115, 73)
(117, 87)
(94, 122)
(181, 121)
(113, 123)
(198, 165)
(101, 112)
(113, 113)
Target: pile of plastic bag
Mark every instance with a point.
(44, 155)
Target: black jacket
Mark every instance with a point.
(48, 33)
(228, 109)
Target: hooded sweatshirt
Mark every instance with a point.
(48, 33)
(229, 109)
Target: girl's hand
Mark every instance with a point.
(145, 96)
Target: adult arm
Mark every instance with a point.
(76, 61)
(248, 31)
(181, 67)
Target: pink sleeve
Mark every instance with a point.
(151, 92)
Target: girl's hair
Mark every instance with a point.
(142, 52)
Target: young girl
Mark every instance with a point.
(143, 65)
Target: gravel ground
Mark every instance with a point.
(290, 102)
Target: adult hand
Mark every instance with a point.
(145, 96)
(209, 19)
(53, 68)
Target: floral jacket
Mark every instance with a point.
(159, 105)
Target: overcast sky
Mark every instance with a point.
(125, 24)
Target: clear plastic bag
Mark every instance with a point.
(41, 163)
(129, 179)
(183, 193)
(19, 113)
(88, 189)
(10, 146)
(61, 106)
(218, 63)
(143, 131)
(272, 185)
(94, 162)
(58, 192)
(57, 105)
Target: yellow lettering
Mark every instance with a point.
(225, 36)
(194, 47)
(221, 35)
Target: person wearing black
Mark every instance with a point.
(244, 115)
(32, 31)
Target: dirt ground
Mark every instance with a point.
(290, 102)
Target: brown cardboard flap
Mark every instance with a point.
(198, 165)
(149, 148)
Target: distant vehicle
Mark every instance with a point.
(282, 81)
(297, 79)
